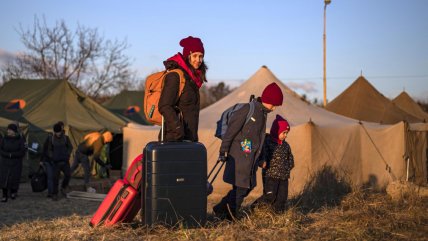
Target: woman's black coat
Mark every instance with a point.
(182, 116)
(12, 151)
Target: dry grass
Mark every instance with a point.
(358, 215)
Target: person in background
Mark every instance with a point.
(240, 148)
(56, 154)
(60, 123)
(277, 161)
(12, 151)
(182, 115)
(91, 145)
(48, 165)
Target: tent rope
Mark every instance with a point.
(387, 166)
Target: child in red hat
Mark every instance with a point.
(241, 147)
(277, 161)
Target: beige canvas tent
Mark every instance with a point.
(363, 152)
(407, 104)
(362, 101)
(42, 103)
(419, 131)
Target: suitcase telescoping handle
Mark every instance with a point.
(217, 172)
(162, 128)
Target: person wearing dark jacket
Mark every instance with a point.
(91, 145)
(240, 148)
(181, 115)
(56, 154)
(12, 151)
(277, 161)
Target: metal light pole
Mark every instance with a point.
(326, 2)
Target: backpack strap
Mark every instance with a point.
(249, 115)
(250, 112)
(51, 146)
(182, 81)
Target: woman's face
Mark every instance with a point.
(196, 59)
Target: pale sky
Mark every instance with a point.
(386, 40)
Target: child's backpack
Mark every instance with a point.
(153, 90)
(223, 123)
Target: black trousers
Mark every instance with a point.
(234, 198)
(6, 190)
(58, 167)
(83, 159)
(275, 193)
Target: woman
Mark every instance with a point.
(12, 151)
(182, 116)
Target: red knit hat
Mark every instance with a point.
(272, 94)
(191, 44)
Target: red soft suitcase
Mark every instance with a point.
(121, 204)
(134, 173)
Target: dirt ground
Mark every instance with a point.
(30, 206)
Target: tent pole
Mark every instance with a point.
(408, 161)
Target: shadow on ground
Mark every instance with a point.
(326, 189)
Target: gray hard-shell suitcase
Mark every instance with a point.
(174, 181)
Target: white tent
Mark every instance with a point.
(363, 152)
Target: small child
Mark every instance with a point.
(277, 162)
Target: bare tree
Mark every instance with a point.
(219, 91)
(141, 85)
(82, 57)
(206, 98)
(112, 72)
